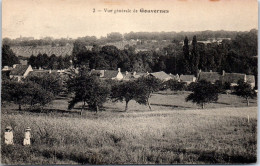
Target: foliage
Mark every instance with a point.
(50, 82)
(175, 85)
(244, 90)
(53, 62)
(203, 92)
(170, 52)
(88, 89)
(25, 93)
(146, 86)
(191, 86)
(124, 91)
(8, 56)
(219, 86)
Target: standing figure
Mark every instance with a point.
(27, 136)
(9, 136)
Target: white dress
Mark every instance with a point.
(9, 138)
(27, 138)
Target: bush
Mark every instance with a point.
(175, 85)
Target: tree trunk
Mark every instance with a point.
(202, 105)
(247, 100)
(149, 105)
(20, 107)
(126, 105)
(97, 109)
(83, 106)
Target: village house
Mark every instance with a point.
(251, 80)
(175, 77)
(161, 76)
(209, 76)
(231, 78)
(6, 72)
(20, 71)
(132, 75)
(187, 78)
(38, 73)
(108, 74)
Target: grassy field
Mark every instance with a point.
(175, 132)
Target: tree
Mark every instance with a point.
(204, 92)
(124, 91)
(187, 58)
(25, 93)
(244, 90)
(194, 56)
(87, 89)
(8, 56)
(146, 86)
(32, 61)
(13, 92)
(50, 82)
(114, 37)
(53, 62)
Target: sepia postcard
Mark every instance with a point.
(104, 82)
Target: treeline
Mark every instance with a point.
(37, 42)
(238, 55)
(179, 36)
(52, 62)
(115, 36)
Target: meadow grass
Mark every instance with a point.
(166, 135)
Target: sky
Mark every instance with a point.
(75, 18)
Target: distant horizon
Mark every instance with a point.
(98, 37)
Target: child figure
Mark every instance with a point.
(27, 136)
(9, 136)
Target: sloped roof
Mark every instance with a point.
(127, 76)
(250, 78)
(110, 73)
(19, 70)
(209, 76)
(95, 72)
(186, 77)
(39, 73)
(233, 77)
(175, 77)
(161, 75)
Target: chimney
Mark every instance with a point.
(223, 73)
(210, 71)
(14, 65)
(134, 73)
(126, 73)
(50, 71)
(119, 70)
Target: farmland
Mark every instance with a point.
(174, 132)
(27, 51)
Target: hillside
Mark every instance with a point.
(27, 51)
